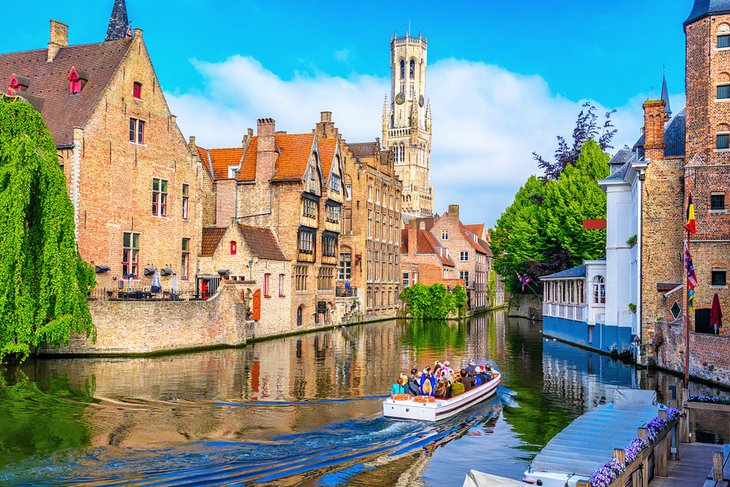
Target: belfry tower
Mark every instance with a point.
(407, 123)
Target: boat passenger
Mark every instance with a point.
(482, 375)
(414, 385)
(447, 371)
(441, 389)
(467, 380)
(414, 372)
(489, 372)
(427, 383)
(471, 367)
(457, 387)
(400, 385)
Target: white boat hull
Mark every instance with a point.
(440, 408)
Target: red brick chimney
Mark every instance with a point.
(265, 149)
(654, 119)
(412, 237)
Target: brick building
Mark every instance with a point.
(688, 153)
(423, 258)
(471, 255)
(292, 185)
(251, 257)
(370, 247)
(134, 184)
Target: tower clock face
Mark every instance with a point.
(400, 98)
(420, 101)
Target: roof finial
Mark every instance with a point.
(119, 26)
(665, 94)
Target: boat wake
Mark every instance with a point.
(330, 455)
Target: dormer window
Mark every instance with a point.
(232, 170)
(17, 84)
(137, 90)
(76, 82)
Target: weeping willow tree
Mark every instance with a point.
(44, 284)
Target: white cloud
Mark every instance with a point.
(486, 121)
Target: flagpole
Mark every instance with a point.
(687, 315)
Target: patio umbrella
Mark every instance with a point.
(716, 314)
(173, 284)
(156, 286)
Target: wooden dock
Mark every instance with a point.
(692, 469)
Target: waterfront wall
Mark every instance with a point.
(709, 354)
(131, 327)
(526, 306)
(598, 337)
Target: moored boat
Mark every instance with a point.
(425, 408)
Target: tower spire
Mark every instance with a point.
(119, 26)
(665, 95)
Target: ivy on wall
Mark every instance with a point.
(433, 302)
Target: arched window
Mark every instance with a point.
(412, 71)
(599, 290)
(402, 69)
(402, 152)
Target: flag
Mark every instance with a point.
(524, 279)
(691, 276)
(691, 225)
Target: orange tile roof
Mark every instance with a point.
(426, 244)
(262, 242)
(211, 238)
(478, 229)
(472, 239)
(294, 151)
(221, 160)
(327, 149)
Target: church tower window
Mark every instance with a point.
(723, 41)
(402, 69)
(412, 72)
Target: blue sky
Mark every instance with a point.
(503, 74)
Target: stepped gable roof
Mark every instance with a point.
(327, 149)
(262, 242)
(48, 84)
(705, 8)
(574, 273)
(674, 136)
(363, 149)
(211, 238)
(294, 151)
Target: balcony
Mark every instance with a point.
(345, 292)
(568, 311)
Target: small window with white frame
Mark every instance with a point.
(444, 234)
(463, 256)
(717, 201)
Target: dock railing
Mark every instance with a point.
(636, 473)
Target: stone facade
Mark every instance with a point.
(468, 255)
(267, 272)
(370, 246)
(407, 123)
(112, 170)
(290, 184)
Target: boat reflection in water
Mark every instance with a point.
(295, 410)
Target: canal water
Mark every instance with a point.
(302, 410)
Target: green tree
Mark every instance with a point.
(575, 197)
(432, 302)
(542, 231)
(44, 284)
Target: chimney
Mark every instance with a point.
(654, 119)
(412, 237)
(454, 210)
(265, 149)
(326, 117)
(191, 141)
(59, 39)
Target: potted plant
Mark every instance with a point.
(631, 241)
(632, 307)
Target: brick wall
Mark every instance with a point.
(110, 178)
(709, 354)
(143, 327)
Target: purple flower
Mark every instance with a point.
(710, 399)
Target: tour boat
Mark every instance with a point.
(426, 408)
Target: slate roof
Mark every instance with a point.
(211, 238)
(119, 22)
(48, 88)
(704, 8)
(487, 248)
(574, 273)
(262, 242)
(363, 149)
(674, 136)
